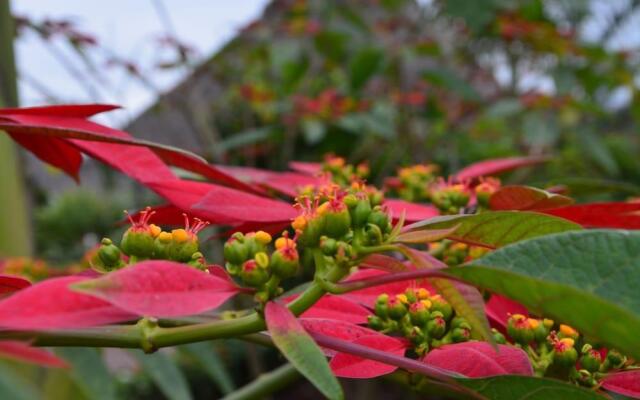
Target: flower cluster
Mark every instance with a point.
(427, 321)
(342, 173)
(144, 241)
(560, 350)
(250, 257)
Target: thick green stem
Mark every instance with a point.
(15, 233)
(266, 384)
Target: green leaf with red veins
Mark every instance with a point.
(426, 235)
(587, 279)
(498, 228)
(301, 350)
(526, 198)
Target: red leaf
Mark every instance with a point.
(21, 351)
(413, 212)
(526, 198)
(53, 151)
(221, 205)
(244, 207)
(601, 215)
(625, 383)
(497, 166)
(287, 183)
(305, 167)
(70, 110)
(480, 360)
(499, 308)
(51, 305)
(335, 328)
(337, 308)
(10, 284)
(350, 366)
(161, 289)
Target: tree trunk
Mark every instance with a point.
(15, 232)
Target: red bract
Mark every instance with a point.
(10, 284)
(480, 359)
(66, 130)
(526, 198)
(625, 383)
(412, 212)
(349, 366)
(308, 168)
(221, 205)
(497, 166)
(51, 305)
(601, 215)
(336, 308)
(286, 183)
(161, 289)
(21, 351)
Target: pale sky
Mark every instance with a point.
(130, 28)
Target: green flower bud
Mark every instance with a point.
(375, 322)
(416, 336)
(310, 235)
(436, 326)
(183, 245)
(381, 307)
(564, 355)
(615, 359)
(460, 335)
(337, 219)
(328, 246)
(350, 200)
(397, 309)
(285, 262)
(361, 213)
(139, 239)
(198, 261)
(521, 329)
(235, 250)
(419, 312)
(161, 245)
(440, 304)
(379, 218)
(253, 274)
(591, 359)
(108, 257)
(498, 337)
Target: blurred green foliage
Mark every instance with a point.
(73, 223)
(451, 82)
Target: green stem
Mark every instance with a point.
(266, 384)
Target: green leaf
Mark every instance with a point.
(516, 387)
(362, 67)
(301, 350)
(587, 279)
(89, 373)
(165, 374)
(245, 138)
(450, 80)
(293, 72)
(13, 387)
(208, 358)
(332, 45)
(498, 228)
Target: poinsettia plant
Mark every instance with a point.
(457, 285)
